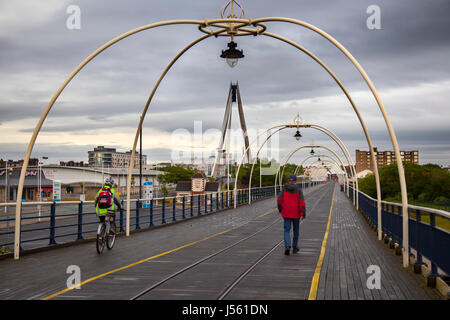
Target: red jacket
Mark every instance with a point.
(291, 203)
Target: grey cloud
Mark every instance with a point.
(412, 48)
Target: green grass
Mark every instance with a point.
(441, 222)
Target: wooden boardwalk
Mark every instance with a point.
(351, 248)
(146, 258)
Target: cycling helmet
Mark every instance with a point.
(109, 182)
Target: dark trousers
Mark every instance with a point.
(287, 232)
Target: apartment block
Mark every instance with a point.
(384, 158)
(109, 157)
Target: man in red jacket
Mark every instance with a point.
(291, 205)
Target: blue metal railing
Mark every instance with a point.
(428, 235)
(76, 220)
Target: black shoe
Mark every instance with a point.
(295, 250)
(286, 251)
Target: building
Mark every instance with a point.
(18, 163)
(199, 184)
(73, 164)
(110, 158)
(75, 181)
(384, 158)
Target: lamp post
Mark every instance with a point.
(8, 172)
(140, 165)
(6, 187)
(298, 121)
(40, 163)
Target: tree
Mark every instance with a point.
(164, 191)
(425, 183)
(266, 180)
(174, 174)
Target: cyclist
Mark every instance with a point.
(106, 200)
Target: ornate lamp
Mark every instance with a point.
(232, 54)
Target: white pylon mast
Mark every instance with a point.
(234, 95)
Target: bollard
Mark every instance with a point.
(206, 202)
(191, 205)
(217, 201)
(222, 199)
(199, 205)
(80, 221)
(138, 202)
(210, 203)
(52, 223)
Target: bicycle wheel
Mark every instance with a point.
(100, 243)
(111, 239)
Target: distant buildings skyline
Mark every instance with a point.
(363, 159)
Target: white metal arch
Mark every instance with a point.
(231, 26)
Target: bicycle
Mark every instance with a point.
(106, 233)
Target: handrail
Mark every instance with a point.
(35, 203)
(146, 214)
(443, 213)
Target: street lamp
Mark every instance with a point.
(232, 54)
(297, 135)
(40, 163)
(8, 173)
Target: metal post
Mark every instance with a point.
(228, 201)
(140, 164)
(52, 223)
(419, 255)
(163, 212)
(199, 205)
(80, 221)
(40, 188)
(434, 248)
(184, 204)
(121, 219)
(138, 204)
(191, 205)
(151, 213)
(217, 201)
(174, 209)
(7, 195)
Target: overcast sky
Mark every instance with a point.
(407, 60)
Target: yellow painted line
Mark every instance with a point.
(147, 259)
(265, 214)
(315, 279)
